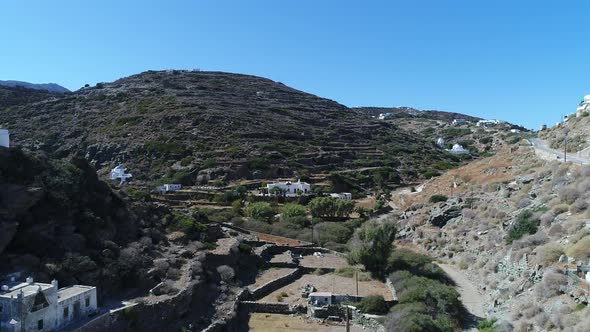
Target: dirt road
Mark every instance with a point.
(472, 299)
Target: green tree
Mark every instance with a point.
(259, 211)
(375, 248)
(291, 210)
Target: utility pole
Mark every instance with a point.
(356, 276)
(565, 148)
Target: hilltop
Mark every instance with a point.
(212, 127)
(408, 112)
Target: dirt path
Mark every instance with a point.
(470, 296)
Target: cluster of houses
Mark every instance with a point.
(32, 306)
(385, 116)
(288, 188)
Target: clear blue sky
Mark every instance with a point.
(523, 61)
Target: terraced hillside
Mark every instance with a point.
(199, 127)
(431, 125)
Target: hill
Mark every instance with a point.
(49, 87)
(13, 96)
(432, 125)
(408, 112)
(212, 127)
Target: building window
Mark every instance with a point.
(40, 325)
(66, 312)
(87, 302)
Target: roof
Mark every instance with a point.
(68, 292)
(320, 294)
(28, 290)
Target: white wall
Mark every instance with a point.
(4, 138)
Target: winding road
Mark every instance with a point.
(552, 154)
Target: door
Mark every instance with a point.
(77, 310)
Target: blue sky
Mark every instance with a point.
(527, 62)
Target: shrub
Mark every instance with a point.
(551, 284)
(291, 210)
(486, 326)
(579, 206)
(226, 273)
(373, 304)
(417, 264)
(438, 198)
(569, 195)
(245, 248)
(560, 208)
(259, 211)
(580, 249)
(524, 224)
(548, 253)
(330, 207)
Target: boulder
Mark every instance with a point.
(445, 211)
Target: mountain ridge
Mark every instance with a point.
(51, 87)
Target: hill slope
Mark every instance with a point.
(207, 126)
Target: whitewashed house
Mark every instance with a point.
(4, 138)
(584, 106)
(441, 142)
(290, 188)
(169, 187)
(459, 121)
(32, 306)
(120, 173)
(458, 149)
(342, 196)
(385, 116)
(487, 123)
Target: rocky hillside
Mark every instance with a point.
(432, 125)
(577, 130)
(408, 112)
(517, 227)
(58, 220)
(14, 96)
(199, 127)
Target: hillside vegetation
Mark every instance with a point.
(510, 224)
(200, 127)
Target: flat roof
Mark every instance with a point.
(324, 294)
(68, 292)
(27, 289)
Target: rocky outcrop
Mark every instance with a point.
(445, 211)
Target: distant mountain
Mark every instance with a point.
(14, 96)
(51, 87)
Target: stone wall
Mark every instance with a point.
(275, 284)
(266, 307)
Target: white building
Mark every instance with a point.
(169, 187)
(342, 196)
(441, 142)
(487, 123)
(385, 116)
(458, 149)
(459, 121)
(290, 188)
(584, 106)
(120, 173)
(31, 306)
(4, 138)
